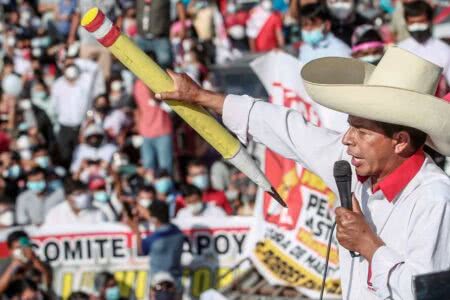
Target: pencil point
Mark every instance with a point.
(277, 197)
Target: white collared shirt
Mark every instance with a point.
(414, 226)
(434, 50)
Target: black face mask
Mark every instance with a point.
(421, 36)
(94, 142)
(102, 109)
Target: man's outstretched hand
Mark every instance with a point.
(187, 90)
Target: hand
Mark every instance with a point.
(187, 90)
(354, 233)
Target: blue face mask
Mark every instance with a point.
(163, 185)
(201, 181)
(36, 186)
(43, 161)
(14, 171)
(313, 37)
(55, 184)
(112, 293)
(101, 196)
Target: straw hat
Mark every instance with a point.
(399, 90)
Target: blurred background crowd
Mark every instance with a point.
(83, 141)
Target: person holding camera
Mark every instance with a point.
(22, 263)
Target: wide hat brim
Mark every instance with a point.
(341, 84)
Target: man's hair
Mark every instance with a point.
(147, 188)
(71, 186)
(78, 296)
(18, 286)
(314, 11)
(195, 163)
(101, 279)
(159, 210)
(15, 236)
(189, 190)
(418, 8)
(36, 171)
(370, 35)
(418, 137)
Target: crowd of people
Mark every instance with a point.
(83, 141)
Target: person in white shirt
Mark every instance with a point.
(71, 97)
(93, 148)
(401, 203)
(419, 18)
(77, 209)
(195, 206)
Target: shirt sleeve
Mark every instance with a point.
(426, 249)
(21, 214)
(286, 132)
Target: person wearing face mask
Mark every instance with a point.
(37, 200)
(167, 192)
(367, 44)
(77, 209)
(235, 21)
(22, 260)
(103, 199)
(197, 175)
(106, 287)
(196, 206)
(265, 28)
(344, 18)
(92, 148)
(419, 17)
(7, 217)
(163, 287)
(71, 95)
(318, 40)
(164, 246)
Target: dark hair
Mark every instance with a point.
(195, 163)
(160, 210)
(147, 188)
(40, 147)
(78, 296)
(162, 173)
(71, 186)
(370, 35)
(101, 279)
(36, 171)
(418, 137)
(18, 286)
(314, 11)
(15, 236)
(189, 190)
(418, 8)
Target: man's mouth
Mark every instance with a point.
(356, 161)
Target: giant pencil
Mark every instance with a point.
(158, 81)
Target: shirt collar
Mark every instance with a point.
(396, 181)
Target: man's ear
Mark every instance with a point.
(402, 143)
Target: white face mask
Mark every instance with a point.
(82, 201)
(187, 45)
(266, 5)
(341, 10)
(7, 218)
(116, 86)
(144, 202)
(418, 27)
(18, 254)
(72, 73)
(195, 208)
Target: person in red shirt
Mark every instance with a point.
(264, 28)
(197, 175)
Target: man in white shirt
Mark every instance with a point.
(419, 18)
(71, 97)
(401, 204)
(93, 148)
(77, 209)
(195, 206)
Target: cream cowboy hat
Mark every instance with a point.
(399, 90)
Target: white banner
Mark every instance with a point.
(289, 244)
(76, 253)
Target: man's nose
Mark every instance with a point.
(347, 139)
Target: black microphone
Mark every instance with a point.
(342, 173)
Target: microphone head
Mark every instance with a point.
(342, 170)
